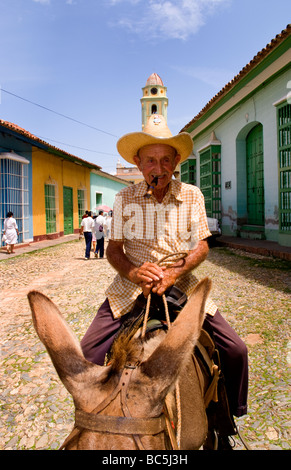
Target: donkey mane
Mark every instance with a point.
(128, 347)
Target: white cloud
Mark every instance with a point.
(177, 19)
(48, 2)
(43, 2)
(115, 2)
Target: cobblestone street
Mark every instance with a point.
(252, 292)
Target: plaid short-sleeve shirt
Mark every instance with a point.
(152, 230)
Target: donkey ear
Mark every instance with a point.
(59, 340)
(166, 362)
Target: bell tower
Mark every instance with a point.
(154, 100)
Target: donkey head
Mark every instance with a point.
(164, 357)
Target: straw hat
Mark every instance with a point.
(156, 131)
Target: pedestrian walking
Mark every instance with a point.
(99, 231)
(87, 225)
(10, 232)
(108, 220)
(94, 234)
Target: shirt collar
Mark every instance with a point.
(175, 189)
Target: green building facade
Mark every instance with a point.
(242, 148)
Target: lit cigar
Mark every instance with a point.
(152, 187)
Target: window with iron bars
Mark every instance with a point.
(210, 180)
(188, 171)
(50, 208)
(284, 154)
(81, 204)
(14, 193)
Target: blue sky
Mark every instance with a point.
(89, 59)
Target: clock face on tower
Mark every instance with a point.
(154, 91)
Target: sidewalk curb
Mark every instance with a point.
(34, 246)
(261, 247)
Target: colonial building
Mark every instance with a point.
(46, 188)
(128, 173)
(242, 148)
(104, 188)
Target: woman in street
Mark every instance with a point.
(11, 232)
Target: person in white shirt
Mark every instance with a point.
(108, 224)
(10, 232)
(99, 230)
(87, 225)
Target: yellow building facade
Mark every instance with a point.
(57, 187)
(47, 189)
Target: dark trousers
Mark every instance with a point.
(100, 247)
(88, 240)
(233, 352)
(234, 362)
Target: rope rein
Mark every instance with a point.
(181, 255)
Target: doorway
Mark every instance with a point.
(255, 176)
(68, 210)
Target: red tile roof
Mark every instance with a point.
(19, 130)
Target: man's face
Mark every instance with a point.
(157, 160)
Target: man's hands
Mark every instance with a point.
(169, 279)
(151, 277)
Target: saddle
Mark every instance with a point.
(205, 356)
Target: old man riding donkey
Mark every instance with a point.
(138, 352)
